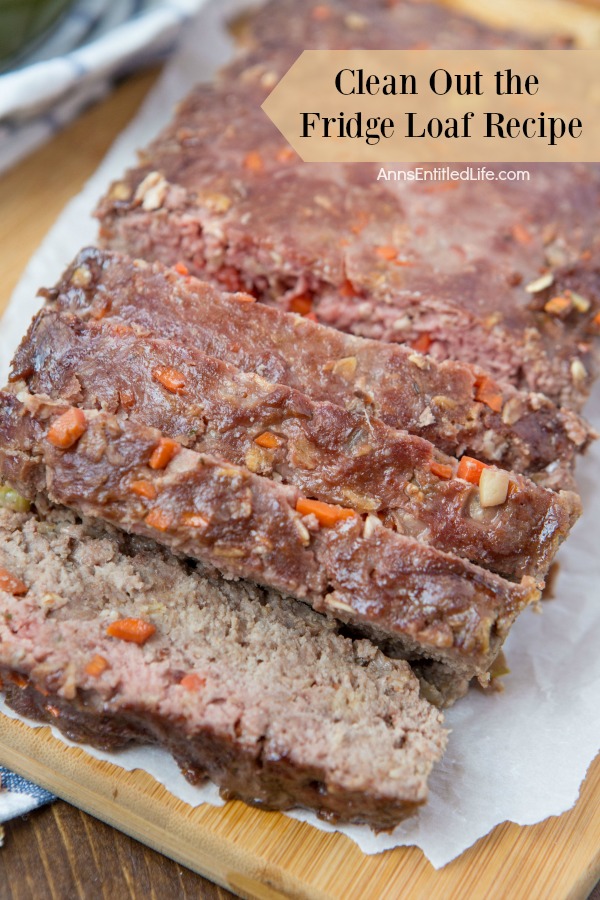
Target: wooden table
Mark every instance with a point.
(62, 853)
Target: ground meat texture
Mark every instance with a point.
(389, 381)
(325, 451)
(455, 265)
(258, 693)
(371, 24)
(421, 601)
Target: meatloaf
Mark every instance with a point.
(453, 405)
(505, 276)
(371, 24)
(421, 601)
(328, 453)
(113, 640)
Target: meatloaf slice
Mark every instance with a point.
(326, 452)
(468, 271)
(437, 401)
(419, 600)
(371, 24)
(256, 692)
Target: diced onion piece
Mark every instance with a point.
(581, 304)
(371, 524)
(493, 487)
(540, 284)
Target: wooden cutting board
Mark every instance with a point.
(258, 854)
(269, 856)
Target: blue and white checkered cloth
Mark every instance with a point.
(18, 796)
(95, 42)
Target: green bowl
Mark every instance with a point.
(23, 22)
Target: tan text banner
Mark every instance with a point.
(441, 106)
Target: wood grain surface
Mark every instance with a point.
(62, 853)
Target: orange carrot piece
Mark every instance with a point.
(347, 289)
(144, 489)
(301, 304)
(556, 306)
(286, 154)
(386, 252)
(159, 519)
(488, 392)
(440, 469)
(321, 13)
(53, 710)
(163, 453)
(181, 268)
(67, 428)
(422, 343)
(229, 278)
(127, 399)
(254, 161)
(470, 469)
(18, 679)
(268, 440)
(520, 234)
(245, 298)
(192, 682)
(326, 513)
(170, 378)
(120, 329)
(136, 631)
(362, 220)
(11, 584)
(96, 666)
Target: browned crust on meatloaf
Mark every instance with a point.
(325, 451)
(421, 600)
(464, 257)
(404, 389)
(286, 25)
(281, 710)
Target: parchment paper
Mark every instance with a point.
(520, 755)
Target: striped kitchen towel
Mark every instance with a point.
(95, 42)
(18, 796)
